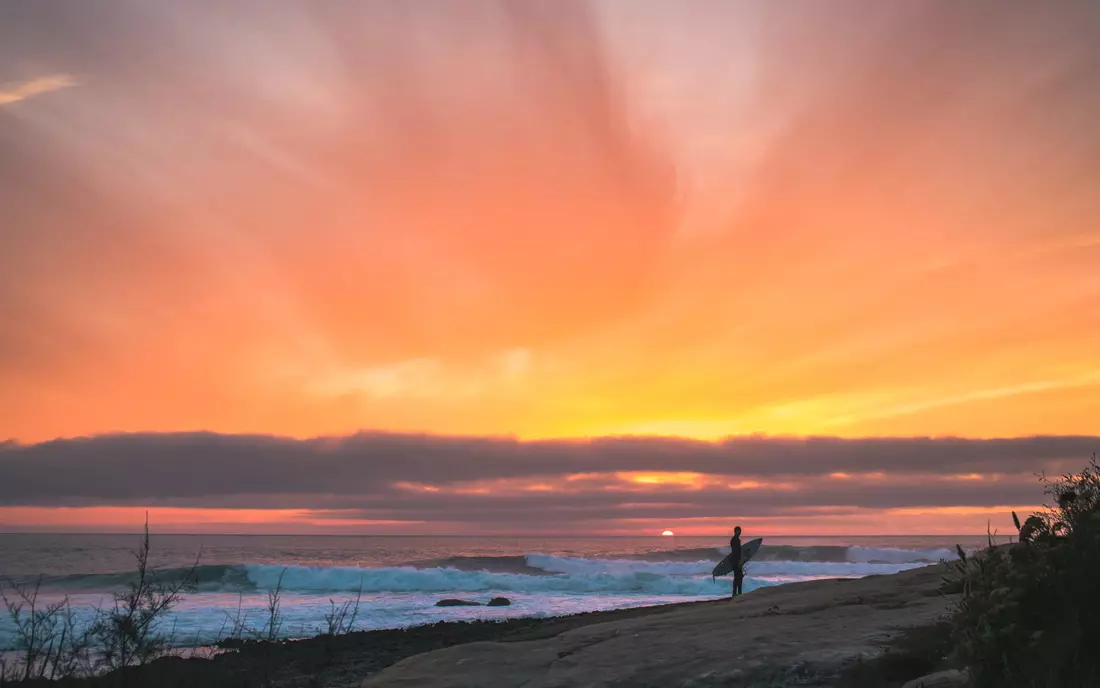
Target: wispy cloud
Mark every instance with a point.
(25, 90)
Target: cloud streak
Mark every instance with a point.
(14, 93)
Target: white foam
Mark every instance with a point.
(577, 565)
(899, 556)
(320, 579)
(565, 575)
(206, 617)
(405, 596)
(876, 562)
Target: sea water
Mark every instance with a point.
(398, 580)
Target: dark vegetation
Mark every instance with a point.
(129, 633)
(242, 632)
(51, 644)
(1029, 614)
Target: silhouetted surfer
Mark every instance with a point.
(738, 571)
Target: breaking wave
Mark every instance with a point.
(773, 553)
(207, 577)
(560, 575)
(315, 579)
(674, 572)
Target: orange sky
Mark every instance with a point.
(690, 220)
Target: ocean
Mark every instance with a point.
(402, 578)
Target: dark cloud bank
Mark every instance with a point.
(362, 476)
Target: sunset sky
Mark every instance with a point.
(483, 233)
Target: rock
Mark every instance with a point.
(952, 678)
(499, 602)
(451, 602)
(230, 643)
(821, 629)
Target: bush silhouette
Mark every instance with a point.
(1029, 615)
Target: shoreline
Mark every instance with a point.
(803, 634)
(686, 640)
(343, 660)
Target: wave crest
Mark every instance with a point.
(673, 572)
(402, 580)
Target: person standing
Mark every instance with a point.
(738, 569)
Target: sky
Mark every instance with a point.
(491, 266)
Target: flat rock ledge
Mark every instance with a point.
(951, 678)
(799, 634)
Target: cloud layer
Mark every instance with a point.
(542, 485)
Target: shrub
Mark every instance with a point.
(49, 644)
(1029, 614)
(128, 632)
(340, 619)
(241, 631)
(274, 622)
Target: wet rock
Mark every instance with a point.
(451, 602)
(952, 678)
(499, 602)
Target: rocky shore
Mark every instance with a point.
(802, 634)
(799, 634)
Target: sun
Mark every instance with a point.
(668, 533)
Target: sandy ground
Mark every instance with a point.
(791, 635)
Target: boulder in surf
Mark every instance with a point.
(451, 602)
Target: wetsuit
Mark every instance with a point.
(738, 571)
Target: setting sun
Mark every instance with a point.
(667, 533)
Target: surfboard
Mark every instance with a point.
(747, 551)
